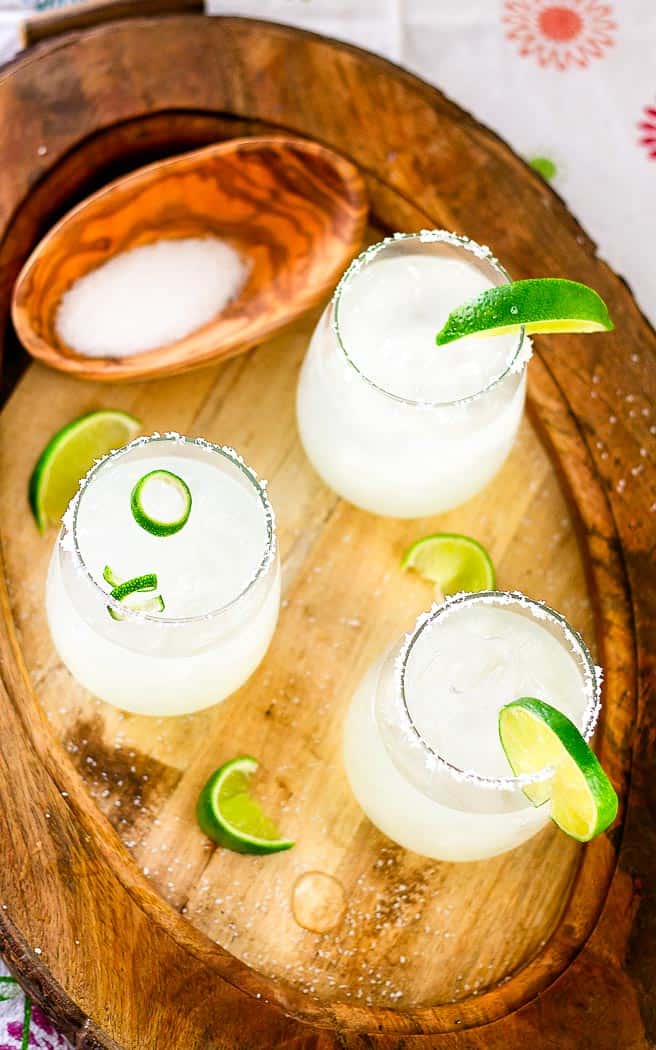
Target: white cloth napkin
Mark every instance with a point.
(21, 1023)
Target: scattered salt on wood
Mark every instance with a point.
(149, 296)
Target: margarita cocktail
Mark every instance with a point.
(421, 748)
(392, 422)
(164, 584)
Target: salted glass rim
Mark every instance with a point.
(68, 542)
(516, 363)
(592, 678)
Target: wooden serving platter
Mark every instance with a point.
(119, 918)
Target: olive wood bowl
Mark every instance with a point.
(294, 210)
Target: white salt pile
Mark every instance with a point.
(149, 296)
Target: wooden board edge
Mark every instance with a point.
(382, 60)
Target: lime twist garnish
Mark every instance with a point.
(536, 736)
(112, 579)
(453, 562)
(547, 304)
(69, 455)
(161, 502)
(229, 815)
(129, 593)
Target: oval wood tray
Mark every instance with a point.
(115, 914)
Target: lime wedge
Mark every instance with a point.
(535, 735)
(69, 455)
(548, 304)
(455, 563)
(228, 815)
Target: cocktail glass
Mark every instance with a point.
(421, 744)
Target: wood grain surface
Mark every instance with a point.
(292, 210)
(50, 23)
(116, 962)
(413, 931)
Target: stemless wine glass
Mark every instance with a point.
(391, 422)
(159, 663)
(421, 744)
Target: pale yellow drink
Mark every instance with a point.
(219, 577)
(392, 422)
(421, 743)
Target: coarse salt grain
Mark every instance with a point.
(150, 296)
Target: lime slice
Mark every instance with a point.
(548, 304)
(535, 735)
(161, 502)
(228, 815)
(455, 563)
(69, 455)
